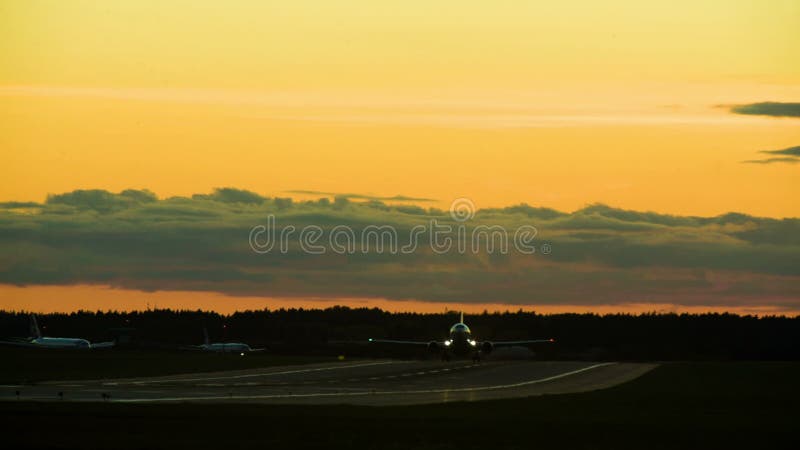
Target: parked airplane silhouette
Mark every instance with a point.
(224, 347)
(461, 343)
(36, 340)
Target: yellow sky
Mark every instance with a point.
(552, 103)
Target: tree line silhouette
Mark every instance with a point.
(651, 336)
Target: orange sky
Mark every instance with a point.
(48, 299)
(560, 104)
(675, 160)
(557, 104)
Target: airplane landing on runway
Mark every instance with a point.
(368, 382)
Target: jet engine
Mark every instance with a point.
(487, 347)
(433, 346)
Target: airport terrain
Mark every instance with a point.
(23, 365)
(674, 405)
(364, 382)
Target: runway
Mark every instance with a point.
(367, 382)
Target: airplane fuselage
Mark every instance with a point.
(52, 342)
(237, 347)
(460, 342)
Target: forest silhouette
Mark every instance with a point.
(340, 330)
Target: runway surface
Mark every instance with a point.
(368, 382)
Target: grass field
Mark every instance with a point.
(22, 365)
(677, 405)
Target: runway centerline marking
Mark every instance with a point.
(367, 393)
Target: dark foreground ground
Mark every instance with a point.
(676, 405)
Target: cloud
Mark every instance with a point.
(18, 205)
(231, 195)
(792, 151)
(363, 108)
(793, 156)
(786, 159)
(774, 109)
(100, 200)
(398, 198)
(600, 254)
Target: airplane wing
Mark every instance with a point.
(520, 343)
(29, 344)
(191, 347)
(18, 343)
(108, 344)
(393, 341)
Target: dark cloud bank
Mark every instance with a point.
(600, 254)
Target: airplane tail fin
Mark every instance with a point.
(35, 332)
(205, 336)
(462, 317)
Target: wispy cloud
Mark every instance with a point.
(792, 156)
(774, 109)
(493, 120)
(505, 110)
(786, 159)
(791, 151)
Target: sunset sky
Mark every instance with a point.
(555, 104)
